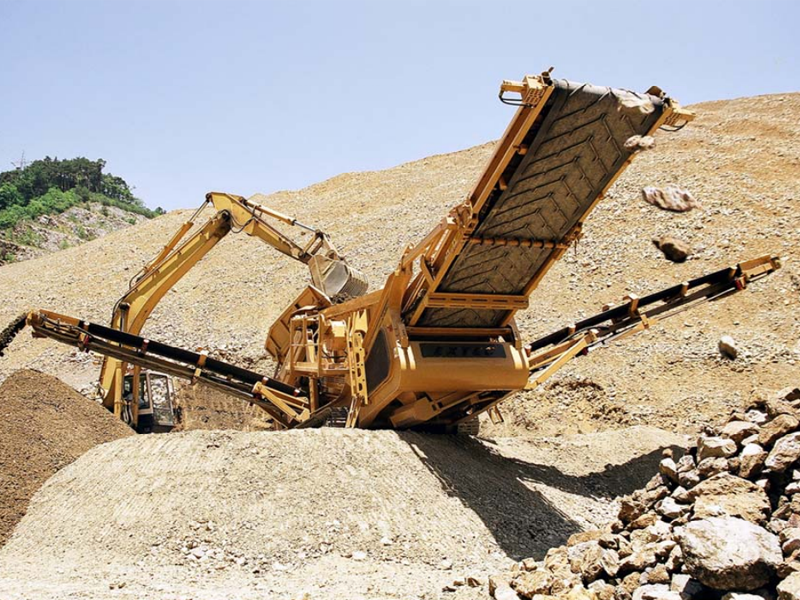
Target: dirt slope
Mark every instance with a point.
(45, 426)
(740, 159)
(332, 512)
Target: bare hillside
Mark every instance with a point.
(53, 232)
(741, 159)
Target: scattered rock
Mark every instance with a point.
(531, 583)
(714, 447)
(655, 592)
(670, 509)
(669, 469)
(739, 430)
(711, 466)
(727, 347)
(686, 586)
(751, 461)
(726, 494)
(777, 428)
(673, 249)
(670, 198)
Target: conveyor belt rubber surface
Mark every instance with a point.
(575, 149)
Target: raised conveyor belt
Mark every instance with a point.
(575, 150)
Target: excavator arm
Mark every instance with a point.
(329, 273)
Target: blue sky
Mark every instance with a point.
(183, 97)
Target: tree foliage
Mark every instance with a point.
(51, 186)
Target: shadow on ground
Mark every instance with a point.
(523, 521)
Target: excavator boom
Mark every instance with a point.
(329, 272)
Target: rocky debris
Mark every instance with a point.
(723, 521)
(13, 252)
(727, 347)
(670, 198)
(637, 143)
(673, 249)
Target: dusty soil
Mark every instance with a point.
(740, 159)
(333, 513)
(46, 426)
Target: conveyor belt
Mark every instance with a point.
(575, 150)
(277, 398)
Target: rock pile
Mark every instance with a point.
(720, 522)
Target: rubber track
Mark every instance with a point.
(10, 332)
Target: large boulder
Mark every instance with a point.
(729, 553)
(673, 249)
(789, 588)
(715, 447)
(785, 452)
(726, 494)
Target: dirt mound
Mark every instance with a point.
(45, 426)
(334, 512)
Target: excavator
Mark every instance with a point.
(438, 344)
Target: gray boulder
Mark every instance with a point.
(729, 553)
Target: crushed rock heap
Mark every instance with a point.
(46, 426)
(721, 522)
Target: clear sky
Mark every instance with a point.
(184, 97)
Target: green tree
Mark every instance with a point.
(10, 196)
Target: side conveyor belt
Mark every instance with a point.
(287, 405)
(563, 151)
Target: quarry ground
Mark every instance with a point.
(329, 512)
(283, 515)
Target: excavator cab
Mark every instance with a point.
(156, 409)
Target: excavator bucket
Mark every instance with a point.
(336, 278)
